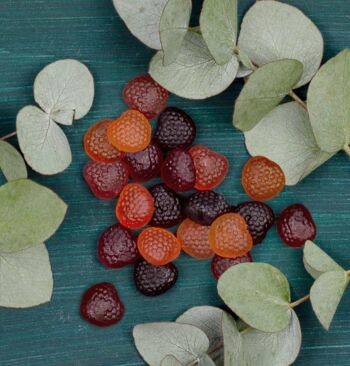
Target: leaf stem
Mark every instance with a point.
(246, 330)
(14, 133)
(346, 148)
(297, 99)
(300, 301)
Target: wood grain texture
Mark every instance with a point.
(36, 32)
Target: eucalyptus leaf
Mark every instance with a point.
(264, 90)
(29, 214)
(194, 74)
(272, 30)
(170, 361)
(43, 143)
(218, 22)
(25, 278)
(173, 27)
(12, 164)
(205, 360)
(259, 294)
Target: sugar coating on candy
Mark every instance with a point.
(229, 236)
(295, 225)
(205, 206)
(211, 167)
(153, 280)
(167, 206)
(194, 239)
(117, 248)
(262, 179)
(145, 164)
(106, 181)
(131, 132)
(158, 246)
(145, 95)
(97, 146)
(101, 305)
(178, 171)
(175, 128)
(135, 206)
(259, 218)
(220, 264)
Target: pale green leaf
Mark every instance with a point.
(170, 361)
(205, 360)
(264, 90)
(29, 214)
(12, 164)
(25, 278)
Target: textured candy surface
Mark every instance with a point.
(175, 128)
(153, 280)
(131, 132)
(211, 167)
(145, 95)
(106, 180)
(220, 264)
(229, 236)
(158, 246)
(295, 225)
(101, 305)
(135, 206)
(262, 179)
(194, 239)
(167, 206)
(178, 171)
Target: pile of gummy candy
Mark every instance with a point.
(209, 227)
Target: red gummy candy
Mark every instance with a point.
(220, 264)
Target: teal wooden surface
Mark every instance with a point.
(36, 32)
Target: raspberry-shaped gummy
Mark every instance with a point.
(175, 128)
(145, 95)
(295, 226)
(205, 206)
(158, 246)
(262, 179)
(220, 264)
(194, 239)
(101, 305)
(259, 218)
(167, 206)
(106, 180)
(135, 206)
(131, 132)
(153, 280)
(117, 247)
(229, 236)
(97, 146)
(145, 164)
(211, 167)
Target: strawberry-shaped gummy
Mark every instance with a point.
(117, 247)
(101, 305)
(145, 164)
(158, 246)
(135, 206)
(178, 171)
(220, 264)
(205, 206)
(167, 206)
(211, 167)
(106, 180)
(295, 226)
(153, 280)
(145, 95)
(175, 128)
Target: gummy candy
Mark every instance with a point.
(220, 264)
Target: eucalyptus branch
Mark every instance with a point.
(14, 133)
(298, 99)
(300, 301)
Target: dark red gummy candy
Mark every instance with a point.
(153, 280)
(178, 171)
(259, 218)
(219, 264)
(106, 180)
(295, 225)
(205, 206)
(167, 206)
(145, 165)
(101, 305)
(117, 248)
(175, 128)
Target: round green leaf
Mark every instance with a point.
(170, 361)
(29, 214)
(11, 162)
(232, 341)
(259, 294)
